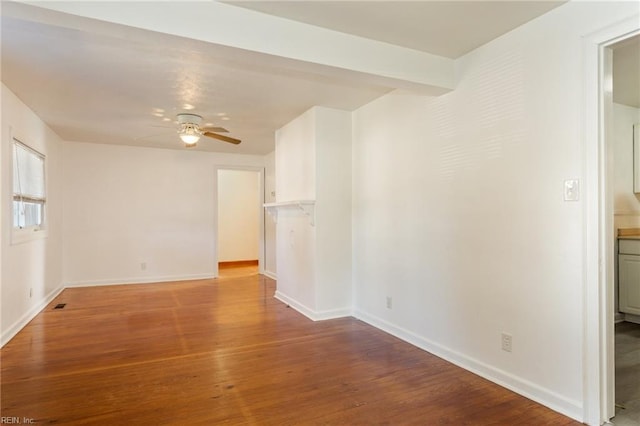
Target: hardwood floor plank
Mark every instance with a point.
(222, 352)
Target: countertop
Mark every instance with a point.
(629, 234)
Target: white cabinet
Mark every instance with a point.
(629, 275)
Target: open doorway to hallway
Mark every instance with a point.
(239, 222)
(625, 114)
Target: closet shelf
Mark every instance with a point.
(307, 207)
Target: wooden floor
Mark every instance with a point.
(226, 352)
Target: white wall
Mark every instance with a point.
(239, 213)
(124, 206)
(459, 213)
(295, 237)
(270, 267)
(313, 162)
(33, 266)
(296, 159)
(626, 202)
(333, 210)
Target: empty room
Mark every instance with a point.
(320, 212)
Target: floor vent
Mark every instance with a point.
(60, 306)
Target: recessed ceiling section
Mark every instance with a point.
(335, 53)
(120, 72)
(109, 85)
(445, 28)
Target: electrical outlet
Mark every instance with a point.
(507, 342)
(389, 302)
(30, 293)
(143, 266)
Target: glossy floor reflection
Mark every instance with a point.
(225, 351)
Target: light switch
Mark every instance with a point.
(571, 190)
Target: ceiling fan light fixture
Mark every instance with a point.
(190, 131)
(190, 139)
(189, 134)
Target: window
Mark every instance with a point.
(28, 188)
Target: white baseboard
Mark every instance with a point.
(632, 318)
(140, 280)
(569, 407)
(311, 313)
(270, 274)
(28, 316)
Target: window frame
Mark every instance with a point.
(29, 233)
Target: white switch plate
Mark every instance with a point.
(571, 190)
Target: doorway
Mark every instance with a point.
(599, 248)
(625, 114)
(240, 221)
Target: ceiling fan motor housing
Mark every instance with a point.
(189, 119)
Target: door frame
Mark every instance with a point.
(260, 218)
(598, 251)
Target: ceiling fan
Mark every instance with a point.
(190, 131)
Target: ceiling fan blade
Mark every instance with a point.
(222, 138)
(214, 129)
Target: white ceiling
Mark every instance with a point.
(446, 28)
(104, 82)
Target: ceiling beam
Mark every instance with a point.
(312, 48)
